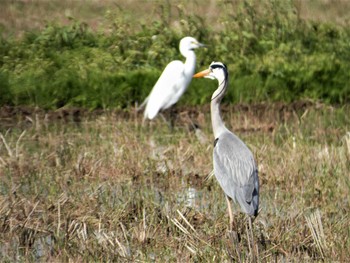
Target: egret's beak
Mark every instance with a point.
(202, 74)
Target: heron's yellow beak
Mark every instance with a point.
(202, 74)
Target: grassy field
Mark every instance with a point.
(18, 17)
(82, 180)
(79, 186)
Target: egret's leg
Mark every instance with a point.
(173, 115)
(143, 105)
(165, 120)
(143, 122)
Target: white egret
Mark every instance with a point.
(234, 165)
(174, 80)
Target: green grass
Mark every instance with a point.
(272, 52)
(108, 189)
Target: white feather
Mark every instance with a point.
(174, 80)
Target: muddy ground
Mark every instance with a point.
(269, 113)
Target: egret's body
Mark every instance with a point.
(173, 81)
(234, 164)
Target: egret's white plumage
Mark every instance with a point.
(173, 81)
(234, 164)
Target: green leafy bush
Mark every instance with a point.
(272, 55)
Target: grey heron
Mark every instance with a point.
(234, 166)
(174, 80)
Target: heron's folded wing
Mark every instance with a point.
(234, 170)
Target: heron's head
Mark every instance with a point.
(189, 43)
(216, 70)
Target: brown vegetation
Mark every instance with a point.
(107, 189)
(17, 17)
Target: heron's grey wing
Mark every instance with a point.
(236, 171)
(164, 90)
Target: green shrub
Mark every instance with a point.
(272, 55)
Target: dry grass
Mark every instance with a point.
(18, 17)
(107, 189)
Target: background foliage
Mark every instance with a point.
(271, 52)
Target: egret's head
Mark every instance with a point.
(216, 70)
(189, 43)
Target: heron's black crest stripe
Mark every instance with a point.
(215, 65)
(216, 141)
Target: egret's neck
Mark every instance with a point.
(190, 63)
(216, 120)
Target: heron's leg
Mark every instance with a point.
(232, 232)
(255, 249)
(232, 221)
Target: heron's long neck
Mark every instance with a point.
(190, 63)
(216, 120)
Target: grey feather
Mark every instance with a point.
(236, 171)
(234, 165)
